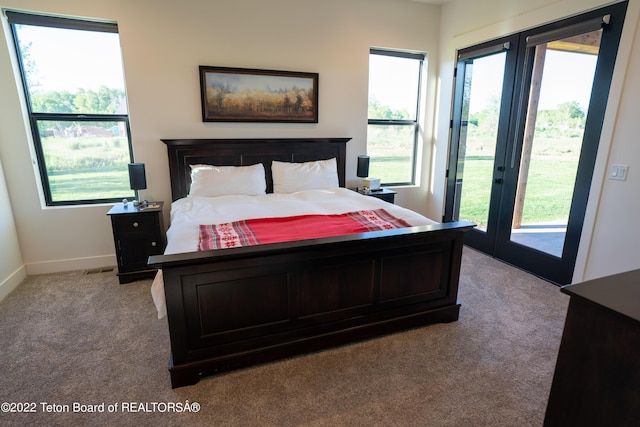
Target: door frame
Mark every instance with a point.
(550, 267)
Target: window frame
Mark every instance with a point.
(20, 18)
(421, 57)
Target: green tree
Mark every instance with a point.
(571, 110)
(384, 112)
(52, 102)
(487, 119)
(565, 120)
(104, 101)
(29, 66)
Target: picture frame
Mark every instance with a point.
(251, 95)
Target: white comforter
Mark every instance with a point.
(190, 212)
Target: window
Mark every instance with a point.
(392, 133)
(74, 86)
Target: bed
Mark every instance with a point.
(240, 306)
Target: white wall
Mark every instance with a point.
(614, 238)
(610, 238)
(12, 269)
(163, 43)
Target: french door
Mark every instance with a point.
(526, 123)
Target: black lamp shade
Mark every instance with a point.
(363, 167)
(137, 177)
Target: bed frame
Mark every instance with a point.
(237, 307)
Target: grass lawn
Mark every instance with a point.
(552, 174)
(550, 185)
(85, 168)
(391, 169)
(108, 182)
(548, 197)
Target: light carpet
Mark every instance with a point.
(83, 339)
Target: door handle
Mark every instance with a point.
(497, 181)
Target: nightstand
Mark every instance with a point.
(137, 234)
(384, 194)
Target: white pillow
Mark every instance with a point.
(292, 177)
(212, 181)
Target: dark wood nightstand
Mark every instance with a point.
(137, 234)
(384, 194)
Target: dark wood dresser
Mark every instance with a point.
(597, 375)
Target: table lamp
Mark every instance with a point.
(137, 181)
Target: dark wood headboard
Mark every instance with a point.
(246, 152)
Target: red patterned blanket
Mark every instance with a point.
(272, 230)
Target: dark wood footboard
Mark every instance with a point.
(243, 306)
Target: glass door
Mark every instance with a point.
(559, 96)
(479, 137)
(521, 165)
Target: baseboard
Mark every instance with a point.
(12, 282)
(70, 264)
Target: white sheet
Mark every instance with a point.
(190, 212)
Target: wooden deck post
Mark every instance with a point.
(529, 130)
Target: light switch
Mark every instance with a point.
(618, 172)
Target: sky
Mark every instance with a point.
(240, 82)
(88, 62)
(567, 77)
(402, 73)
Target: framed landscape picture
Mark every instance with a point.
(247, 95)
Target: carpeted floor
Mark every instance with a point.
(81, 339)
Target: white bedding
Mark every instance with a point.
(190, 212)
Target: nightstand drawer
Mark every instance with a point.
(137, 223)
(384, 194)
